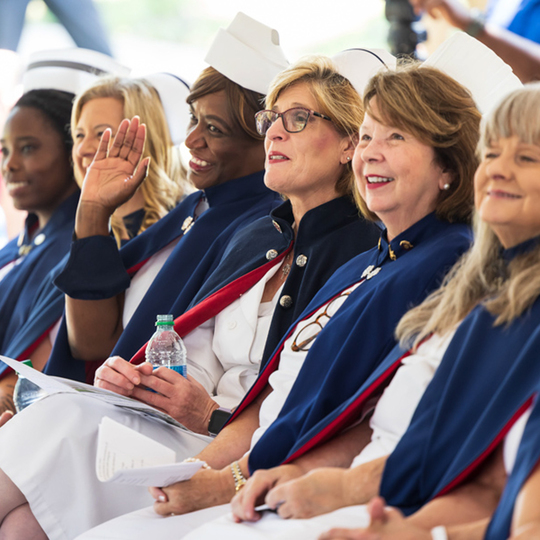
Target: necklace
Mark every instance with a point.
(286, 268)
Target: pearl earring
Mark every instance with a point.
(446, 187)
(348, 158)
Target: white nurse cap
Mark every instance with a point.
(69, 70)
(248, 53)
(173, 92)
(476, 67)
(359, 65)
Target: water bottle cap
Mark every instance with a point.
(165, 320)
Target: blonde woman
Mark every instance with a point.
(104, 105)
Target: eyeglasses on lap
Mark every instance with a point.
(307, 335)
(294, 120)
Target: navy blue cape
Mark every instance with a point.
(527, 460)
(19, 287)
(328, 236)
(485, 381)
(96, 269)
(358, 337)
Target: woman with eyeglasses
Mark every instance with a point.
(268, 274)
(414, 168)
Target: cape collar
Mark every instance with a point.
(28, 240)
(240, 188)
(422, 230)
(511, 253)
(317, 221)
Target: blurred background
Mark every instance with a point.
(173, 35)
(153, 35)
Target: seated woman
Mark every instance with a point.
(108, 311)
(403, 179)
(103, 104)
(36, 167)
(318, 228)
(450, 465)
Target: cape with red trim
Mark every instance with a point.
(327, 237)
(527, 460)
(359, 336)
(48, 305)
(486, 379)
(96, 269)
(19, 286)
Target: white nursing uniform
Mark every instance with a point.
(49, 450)
(390, 420)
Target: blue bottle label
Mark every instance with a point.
(179, 369)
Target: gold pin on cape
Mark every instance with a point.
(188, 223)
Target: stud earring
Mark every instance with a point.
(348, 158)
(446, 187)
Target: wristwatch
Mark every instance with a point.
(218, 419)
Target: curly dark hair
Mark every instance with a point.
(56, 106)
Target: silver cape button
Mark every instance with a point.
(271, 254)
(301, 260)
(285, 301)
(39, 239)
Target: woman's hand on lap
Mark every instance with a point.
(255, 491)
(186, 400)
(318, 492)
(386, 524)
(206, 488)
(118, 375)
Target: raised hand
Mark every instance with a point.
(115, 173)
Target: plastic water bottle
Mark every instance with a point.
(166, 348)
(26, 392)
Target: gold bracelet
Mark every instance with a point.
(239, 478)
(196, 460)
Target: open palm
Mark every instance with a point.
(115, 173)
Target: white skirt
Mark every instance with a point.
(145, 524)
(49, 452)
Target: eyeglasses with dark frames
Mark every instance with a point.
(307, 335)
(294, 120)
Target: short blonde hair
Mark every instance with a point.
(335, 97)
(482, 276)
(166, 182)
(439, 112)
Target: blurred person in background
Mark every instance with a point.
(515, 39)
(81, 19)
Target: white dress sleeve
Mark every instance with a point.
(224, 354)
(396, 406)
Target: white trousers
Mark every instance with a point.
(49, 452)
(217, 523)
